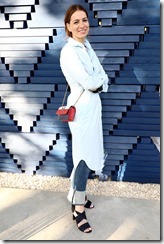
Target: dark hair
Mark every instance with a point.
(71, 10)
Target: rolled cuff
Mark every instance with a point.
(76, 197)
(79, 198)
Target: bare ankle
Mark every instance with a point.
(79, 208)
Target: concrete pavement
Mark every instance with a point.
(44, 215)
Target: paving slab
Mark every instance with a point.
(45, 215)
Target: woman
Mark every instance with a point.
(86, 79)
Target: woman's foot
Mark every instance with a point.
(81, 219)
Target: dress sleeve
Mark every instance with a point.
(73, 68)
(102, 72)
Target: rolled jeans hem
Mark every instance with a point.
(79, 198)
(76, 197)
(79, 179)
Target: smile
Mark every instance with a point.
(82, 31)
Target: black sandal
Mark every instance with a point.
(88, 204)
(79, 217)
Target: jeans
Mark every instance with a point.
(79, 179)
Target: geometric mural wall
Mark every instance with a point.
(126, 37)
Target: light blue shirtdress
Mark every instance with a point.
(83, 72)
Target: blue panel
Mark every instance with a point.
(117, 30)
(140, 12)
(114, 38)
(107, 6)
(135, 167)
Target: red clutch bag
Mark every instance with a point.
(66, 114)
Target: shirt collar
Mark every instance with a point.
(78, 44)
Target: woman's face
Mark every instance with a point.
(79, 26)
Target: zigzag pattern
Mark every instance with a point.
(32, 86)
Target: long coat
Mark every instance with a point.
(84, 73)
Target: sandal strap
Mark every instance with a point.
(84, 227)
(80, 216)
(88, 204)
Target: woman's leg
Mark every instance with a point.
(79, 183)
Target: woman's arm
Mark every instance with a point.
(73, 68)
(106, 83)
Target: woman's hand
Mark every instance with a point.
(99, 89)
